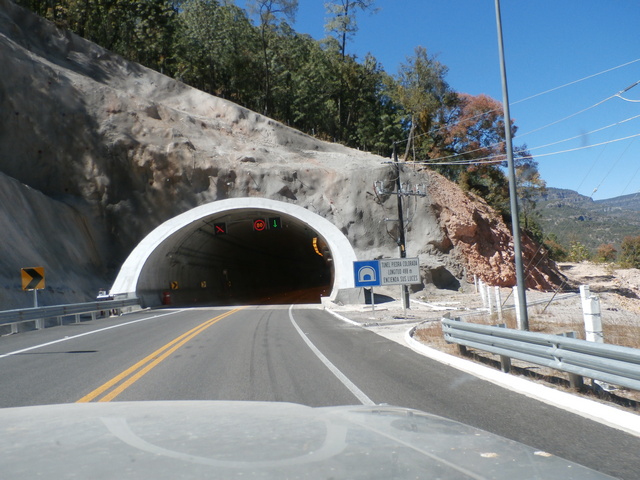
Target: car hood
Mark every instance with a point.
(218, 439)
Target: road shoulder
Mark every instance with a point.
(399, 331)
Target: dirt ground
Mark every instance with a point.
(618, 291)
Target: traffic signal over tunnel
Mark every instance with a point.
(275, 222)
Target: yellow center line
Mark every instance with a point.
(146, 364)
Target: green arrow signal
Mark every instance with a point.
(275, 222)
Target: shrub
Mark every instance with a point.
(606, 253)
(556, 251)
(630, 252)
(578, 252)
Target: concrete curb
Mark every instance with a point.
(598, 412)
(343, 318)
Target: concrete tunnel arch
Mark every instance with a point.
(155, 263)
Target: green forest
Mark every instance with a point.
(256, 59)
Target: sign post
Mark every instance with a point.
(33, 279)
(367, 274)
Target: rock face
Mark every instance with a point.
(485, 244)
(39, 231)
(97, 151)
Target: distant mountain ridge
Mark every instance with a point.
(625, 202)
(573, 217)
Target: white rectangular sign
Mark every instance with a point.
(399, 271)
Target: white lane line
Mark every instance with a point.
(360, 395)
(88, 333)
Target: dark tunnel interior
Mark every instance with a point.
(246, 257)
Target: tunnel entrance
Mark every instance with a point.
(250, 257)
(239, 251)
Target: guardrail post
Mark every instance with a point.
(39, 323)
(498, 302)
(483, 293)
(77, 318)
(505, 362)
(576, 381)
(516, 303)
(592, 319)
(462, 349)
(489, 304)
(585, 292)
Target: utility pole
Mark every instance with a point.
(401, 237)
(515, 219)
(401, 190)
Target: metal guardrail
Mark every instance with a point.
(38, 314)
(612, 364)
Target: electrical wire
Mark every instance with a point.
(584, 146)
(540, 247)
(576, 81)
(581, 111)
(546, 252)
(631, 180)
(585, 133)
(568, 117)
(497, 144)
(535, 96)
(612, 167)
(491, 159)
(627, 99)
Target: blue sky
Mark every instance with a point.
(548, 44)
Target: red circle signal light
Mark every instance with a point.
(259, 225)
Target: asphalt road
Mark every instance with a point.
(275, 354)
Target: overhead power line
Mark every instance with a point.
(628, 99)
(497, 144)
(500, 158)
(612, 167)
(585, 133)
(586, 146)
(619, 94)
(576, 81)
(570, 116)
(588, 77)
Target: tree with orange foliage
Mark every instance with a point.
(469, 148)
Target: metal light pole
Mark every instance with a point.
(515, 220)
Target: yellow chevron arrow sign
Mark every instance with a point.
(32, 278)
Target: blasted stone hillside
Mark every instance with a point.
(97, 151)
